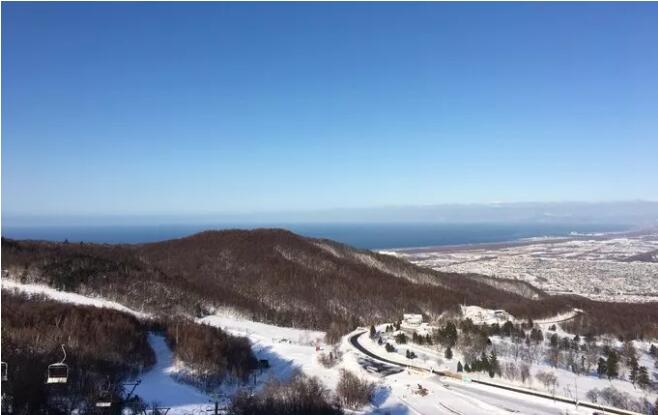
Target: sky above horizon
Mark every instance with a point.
(138, 108)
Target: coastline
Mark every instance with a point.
(599, 236)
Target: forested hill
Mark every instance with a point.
(276, 276)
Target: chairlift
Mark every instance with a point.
(105, 397)
(104, 400)
(58, 372)
(5, 375)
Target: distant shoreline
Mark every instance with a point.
(599, 236)
(370, 236)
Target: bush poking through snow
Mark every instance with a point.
(330, 359)
(547, 379)
(300, 396)
(353, 392)
(613, 397)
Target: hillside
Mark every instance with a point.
(279, 277)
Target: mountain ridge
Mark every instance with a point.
(278, 277)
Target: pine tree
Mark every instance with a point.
(460, 368)
(448, 353)
(554, 340)
(653, 351)
(537, 336)
(447, 335)
(483, 363)
(643, 380)
(373, 332)
(467, 368)
(602, 368)
(494, 366)
(633, 365)
(613, 365)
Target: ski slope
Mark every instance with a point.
(68, 297)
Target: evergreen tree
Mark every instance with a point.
(467, 368)
(537, 336)
(635, 368)
(643, 380)
(428, 339)
(401, 338)
(554, 340)
(460, 368)
(508, 327)
(602, 367)
(481, 364)
(653, 351)
(613, 365)
(373, 332)
(448, 353)
(494, 366)
(447, 335)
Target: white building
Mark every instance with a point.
(412, 320)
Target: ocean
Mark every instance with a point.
(367, 236)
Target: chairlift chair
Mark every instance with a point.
(5, 376)
(105, 398)
(58, 372)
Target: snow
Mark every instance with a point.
(239, 326)
(159, 386)
(481, 315)
(569, 385)
(68, 297)
(400, 393)
(600, 268)
(289, 350)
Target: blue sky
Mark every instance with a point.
(163, 108)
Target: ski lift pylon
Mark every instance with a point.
(58, 372)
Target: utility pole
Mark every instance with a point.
(216, 399)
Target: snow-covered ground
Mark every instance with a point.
(67, 297)
(158, 386)
(290, 349)
(568, 385)
(598, 268)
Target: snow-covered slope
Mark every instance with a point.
(68, 297)
(158, 385)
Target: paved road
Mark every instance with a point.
(501, 399)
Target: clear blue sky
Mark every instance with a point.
(184, 108)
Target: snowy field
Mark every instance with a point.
(612, 269)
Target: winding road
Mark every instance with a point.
(501, 396)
